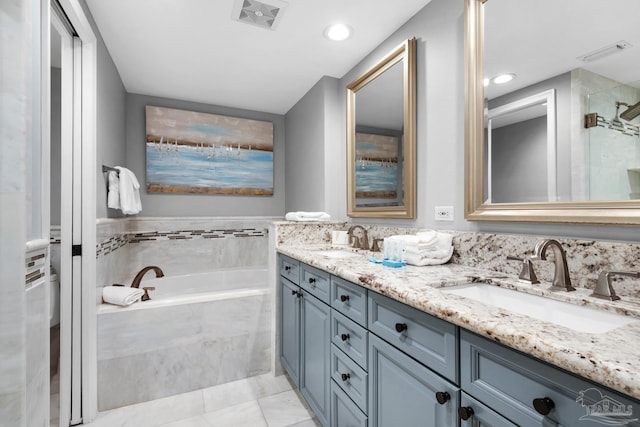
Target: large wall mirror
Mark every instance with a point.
(552, 128)
(381, 137)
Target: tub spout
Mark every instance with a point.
(138, 278)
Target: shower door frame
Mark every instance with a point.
(80, 354)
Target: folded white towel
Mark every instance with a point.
(113, 195)
(307, 216)
(120, 295)
(441, 257)
(129, 192)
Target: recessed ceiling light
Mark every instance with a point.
(485, 82)
(337, 32)
(503, 78)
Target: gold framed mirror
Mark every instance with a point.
(381, 138)
(577, 199)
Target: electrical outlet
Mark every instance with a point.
(444, 213)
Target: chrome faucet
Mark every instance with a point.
(604, 289)
(561, 279)
(138, 278)
(358, 242)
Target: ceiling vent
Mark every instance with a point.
(262, 14)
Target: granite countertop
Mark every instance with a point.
(611, 359)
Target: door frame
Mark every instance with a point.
(86, 313)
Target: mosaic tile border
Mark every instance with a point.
(35, 267)
(117, 241)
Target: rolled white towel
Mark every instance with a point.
(120, 295)
(307, 216)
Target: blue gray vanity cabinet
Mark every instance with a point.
(315, 350)
(432, 341)
(478, 415)
(529, 392)
(403, 392)
(290, 328)
(345, 413)
(349, 299)
(306, 335)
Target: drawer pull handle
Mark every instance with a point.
(344, 298)
(465, 412)
(345, 376)
(311, 280)
(442, 397)
(401, 327)
(287, 268)
(543, 406)
(344, 337)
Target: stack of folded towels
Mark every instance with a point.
(121, 295)
(424, 248)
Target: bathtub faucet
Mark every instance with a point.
(138, 278)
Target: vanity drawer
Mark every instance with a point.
(349, 337)
(345, 413)
(350, 377)
(509, 382)
(430, 340)
(290, 268)
(349, 299)
(316, 282)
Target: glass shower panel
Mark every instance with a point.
(614, 145)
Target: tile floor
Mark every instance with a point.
(261, 401)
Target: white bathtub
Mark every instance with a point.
(198, 287)
(197, 331)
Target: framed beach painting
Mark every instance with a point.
(377, 175)
(192, 152)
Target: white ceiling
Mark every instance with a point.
(193, 50)
(540, 39)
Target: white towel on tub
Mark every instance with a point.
(120, 295)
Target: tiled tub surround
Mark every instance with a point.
(161, 348)
(611, 359)
(156, 352)
(177, 245)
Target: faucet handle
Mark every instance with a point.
(604, 288)
(375, 247)
(146, 289)
(527, 273)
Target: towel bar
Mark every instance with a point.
(109, 169)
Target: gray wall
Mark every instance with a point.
(439, 28)
(311, 134)
(172, 205)
(111, 119)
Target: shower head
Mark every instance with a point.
(632, 112)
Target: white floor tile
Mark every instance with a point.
(199, 421)
(243, 415)
(229, 394)
(307, 423)
(284, 409)
(267, 385)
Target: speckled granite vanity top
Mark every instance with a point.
(611, 359)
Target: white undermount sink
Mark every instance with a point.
(338, 253)
(576, 317)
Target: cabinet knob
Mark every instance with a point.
(344, 298)
(287, 268)
(345, 376)
(543, 405)
(400, 327)
(465, 412)
(442, 397)
(344, 337)
(294, 292)
(311, 280)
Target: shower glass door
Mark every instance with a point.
(614, 145)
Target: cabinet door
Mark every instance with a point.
(402, 392)
(315, 349)
(345, 413)
(290, 329)
(480, 415)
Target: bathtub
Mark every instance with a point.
(197, 331)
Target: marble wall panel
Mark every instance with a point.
(37, 346)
